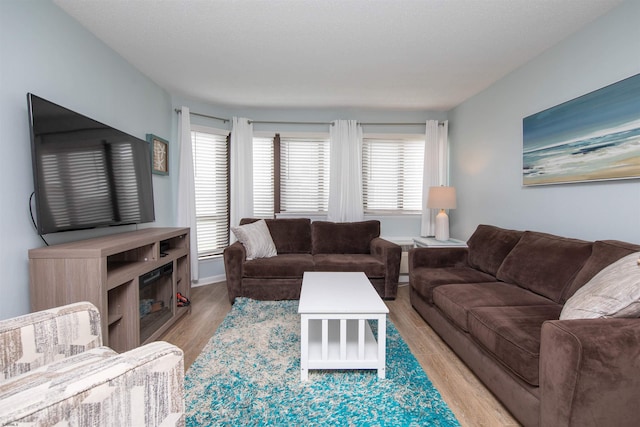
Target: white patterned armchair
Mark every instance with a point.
(55, 371)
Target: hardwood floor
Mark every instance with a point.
(209, 306)
(470, 401)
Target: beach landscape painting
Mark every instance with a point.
(593, 137)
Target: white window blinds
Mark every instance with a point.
(392, 175)
(211, 176)
(304, 174)
(263, 190)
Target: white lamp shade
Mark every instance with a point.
(442, 198)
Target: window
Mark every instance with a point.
(392, 175)
(263, 182)
(211, 176)
(304, 174)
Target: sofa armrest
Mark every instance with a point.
(389, 253)
(590, 372)
(142, 387)
(37, 339)
(438, 257)
(235, 256)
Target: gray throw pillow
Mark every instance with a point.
(256, 239)
(613, 292)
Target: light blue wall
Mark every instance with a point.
(486, 140)
(44, 51)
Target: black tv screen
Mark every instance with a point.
(86, 174)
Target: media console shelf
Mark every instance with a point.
(132, 278)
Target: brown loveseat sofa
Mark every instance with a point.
(302, 246)
(497, 305)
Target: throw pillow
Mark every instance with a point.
(256, 239)
(613, 292)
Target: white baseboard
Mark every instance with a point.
(203, 281)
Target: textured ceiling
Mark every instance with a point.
(387, 54)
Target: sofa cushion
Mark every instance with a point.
(256, 239)
(424, 280)
(512, 335)
(603, 253)
(613, 292)
(489, 245)
(343, 237)
(370, 265)
(281, 266)
(456, 300)
(290, 235)
(544, 263)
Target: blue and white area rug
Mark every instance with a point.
(249, 374)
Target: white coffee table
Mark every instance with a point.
(335, 334)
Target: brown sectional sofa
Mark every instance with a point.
(497, 305)
(302, 246)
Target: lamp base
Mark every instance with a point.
(442, 226)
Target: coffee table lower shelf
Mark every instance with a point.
(342, 341)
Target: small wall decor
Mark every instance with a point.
(159, 154)
(590, 138)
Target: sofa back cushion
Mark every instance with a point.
(489, 245)
(290, 235)
(604, 253)
(544, 263)
(343, 237)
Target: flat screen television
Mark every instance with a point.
(86, 174)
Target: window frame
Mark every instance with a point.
(400, 137)
(275, 162)
(217, 252)
(279, 136)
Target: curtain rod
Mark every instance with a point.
(398, 124)
(262, 122)
(178, 110)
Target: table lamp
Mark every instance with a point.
(442, 198)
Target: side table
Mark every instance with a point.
(430, 242)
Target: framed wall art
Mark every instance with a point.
(591, 138)
(159, 154)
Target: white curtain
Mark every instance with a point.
(345, 182)
(241, 171)
(436, 169)
(186, 215)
